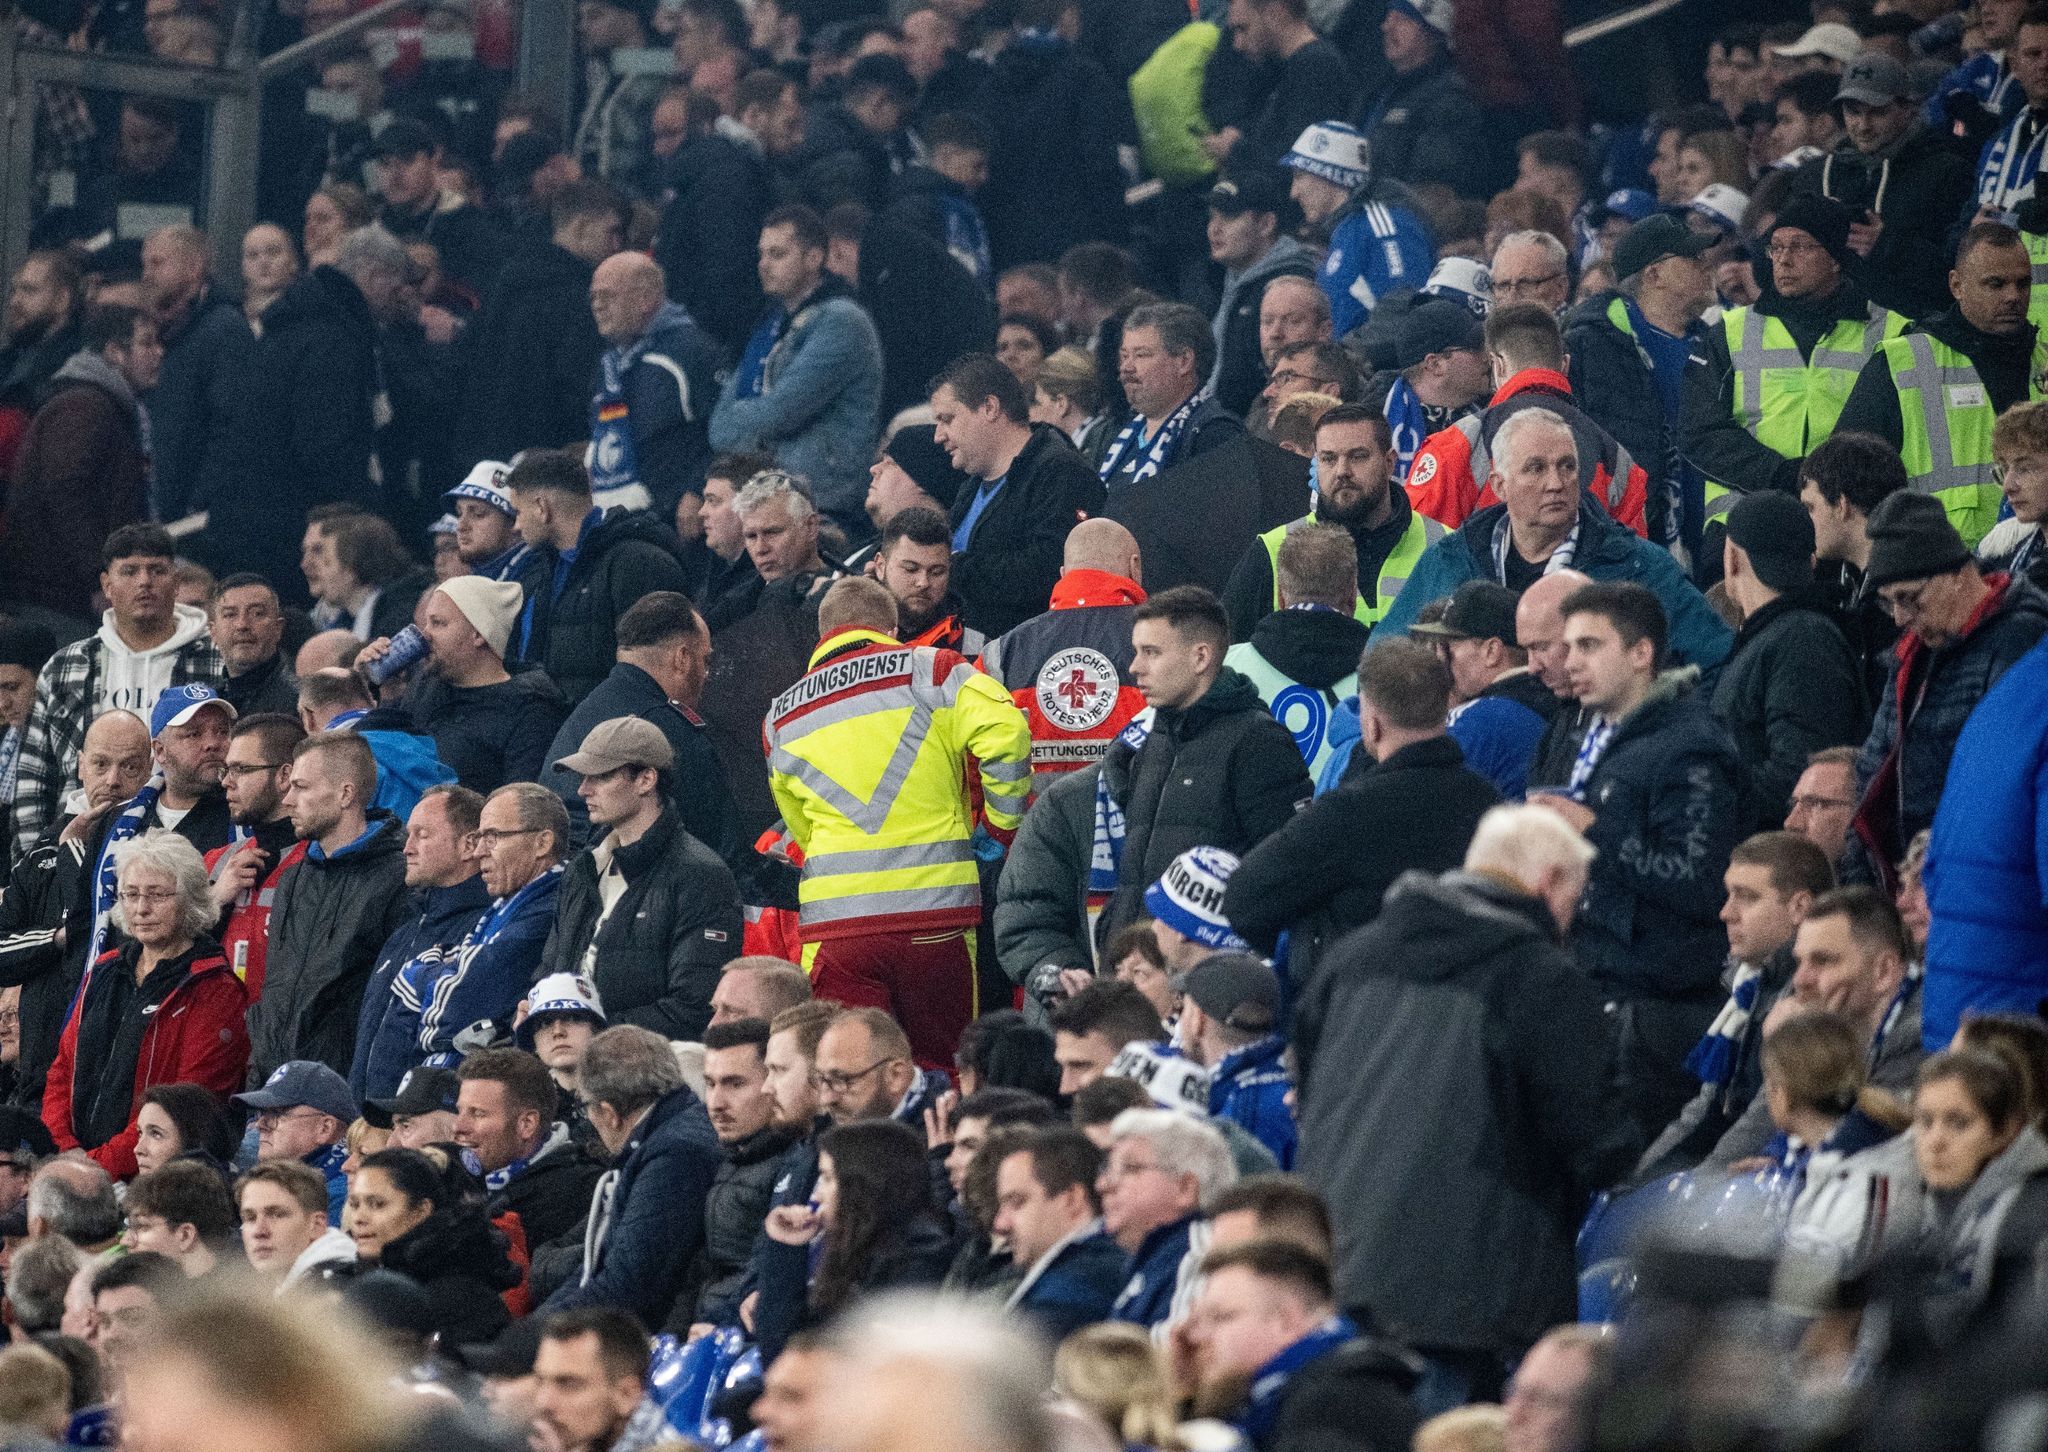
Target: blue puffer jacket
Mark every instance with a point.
(1606, 552)
(1250, 1086)
(1987, 863)
(442, 915)
(818, 409)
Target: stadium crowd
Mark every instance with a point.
(1004, 724)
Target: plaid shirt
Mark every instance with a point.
(56, 726)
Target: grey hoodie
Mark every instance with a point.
(86, 366)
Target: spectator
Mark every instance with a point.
(128, 1296)
(1303, 657)
(529, 1163)
(116, 1042)
(1354, 472)
(146, 644)
(25, 648)
(248, 631)
(1242, 776)
(487, 538)
(1497, 928)
(405, 1216)
(245, 874)
(888, 927)
(1841, 482)
(1552, 1398)
(189, 743)
(333, 912)
(590, 1381)
(663, 659)
(532, 347)
(1501, 711)
(285, 1234)
(647, 1219)
(1982, 339)
(936, 196)
(806, 388)
(1418, 794)
(563, 1015)
(1167, 351)
(421, 1112)
(449, 896)
(914, 563)
(1229, 1016)
(1049, 1213)
(911, 472)
(417, 207)
(731, 586)
(367, 584)
(73, 1199)
(1246, 237)
(39, 1272)
(83, 467)
(1440, 375)
(1824, 801)
(1533, 268)
(2007, 165)
(893, 1088)
(1160, 1168)
(1546, 523)
(2017, 446)
(758, 986)
(648, 913)
(302, 1112)
(1961, 633)
(742, 1111)
(1377, 243)
(180, 1211)
(204, 340)
(651, 391)
(38, 335)
(1094, 1025)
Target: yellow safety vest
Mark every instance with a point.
(1946, 417)
(1422, 532)
(2037, 253)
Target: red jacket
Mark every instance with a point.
(198, 1035)
(245, 937)
(1069, 671)
(1448, 481)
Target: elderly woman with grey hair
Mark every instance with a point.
(160, 1006)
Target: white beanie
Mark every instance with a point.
(491, 606)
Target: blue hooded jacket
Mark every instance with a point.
(482, 979)
(1250, 1086)
(441, 916)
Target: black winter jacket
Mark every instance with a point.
(912, 1255)
(927, 309)
(304, 428)
(1013, 558)
(47, 893)
(1449, 1101)
(1918, 192)
(1220, 773)
(1425, 127)
(460, 1259)
(1611, 381)
(490, 735)
(193, 403)
(1789, 688)
(660, 949)
(733, 1213)
(572, 633)
(1325, 872)
(527, 357)
(1058, 120)
(1668, 796)
(552, 1195)
(327, 926)
(707, 245)
(1241, 365)
(1356, 1397)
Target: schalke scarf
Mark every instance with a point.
(1590, 751)
(1269, 1388)
(751, 375)
(1155, 455)
(10, 762)
(496, 1180)
(1106, 850)
(1560, 558)
(1712, 1059)
(128, 824)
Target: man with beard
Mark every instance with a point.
(205, 340)
(743, 1114)
(1354, 489)
(245, 874)
(915, 563)
(247, 625)
(487, 539)
(589, 1379)
(40, 331)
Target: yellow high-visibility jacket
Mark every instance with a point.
(867, 756)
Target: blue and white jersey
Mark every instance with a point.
(1985, 76)
(2009, 161)
(1373, 251)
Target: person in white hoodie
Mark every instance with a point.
(147, 642)
(285, 1234)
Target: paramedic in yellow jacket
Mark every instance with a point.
(868, 757)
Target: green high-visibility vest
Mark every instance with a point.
(1786, 402)
(1946, 414)
(2037, 253)
(1422, 532)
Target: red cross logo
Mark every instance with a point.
(1077, 689)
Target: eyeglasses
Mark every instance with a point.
(136, 896)
(841, 1083)
(1524, 286)
(1792, 249)
(1288, 378)
(271, 1118)
(1817, 804)
(248, 768)
(492, 836)
(1115, 1170)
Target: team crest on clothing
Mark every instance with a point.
(1077, 689)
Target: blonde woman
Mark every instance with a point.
(1115, 1374)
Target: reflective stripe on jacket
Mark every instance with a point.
(1422, 532)
(1946, 416)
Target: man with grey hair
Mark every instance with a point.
(1163, 1165)
(1457, 1116)
(1531, 267)
(940, 1375)
(1168, 350)
(204, 339)
(38, 1274)
(74, 1198)
(1546, 522)
(647, 1213)
(779, 524)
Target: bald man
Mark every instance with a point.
(1069, 669)
(651, 400)
(1539, 628)
(51, 881)
(328, 650)
(206, 342)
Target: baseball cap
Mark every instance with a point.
(1631, 202)
(403, 137)
(1652, 240)
(1477, 610)
(486, 483)
(304, 1082)
(421, 1091)
(1436, 325)
(1830, 38)
(180, 704)
(621, 741)
(559, 995)
(1253, 191)
(1875, 79)
(1235, 989)
(1722, 205)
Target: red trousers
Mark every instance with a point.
(925, 981)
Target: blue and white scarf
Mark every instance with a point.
(132, 820)
(1408, 423)
(1560, 558)
(751, 376)
(1106, 847)
(10, 763)
(1712, 1059)
(1598, 735)
(496, 1180)
(1158, 453)
(1269, 1387)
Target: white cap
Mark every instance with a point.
(1722, 205)
(486, 483)
(1831, 38)
(1462, 281)
(491, 606)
